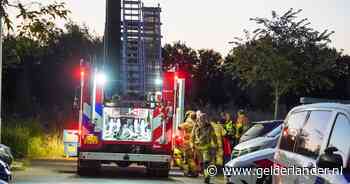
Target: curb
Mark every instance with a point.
(17, 166)
(64, 159)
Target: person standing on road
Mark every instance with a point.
(218, 149)
(188, 165)
(202, 139)
(228, 141)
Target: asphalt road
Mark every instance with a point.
(63, 172)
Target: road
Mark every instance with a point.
(63, 172)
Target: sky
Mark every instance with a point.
(212, 24)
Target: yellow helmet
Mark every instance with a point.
(189, 112)
(177, 152)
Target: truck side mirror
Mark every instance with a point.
(329, 159)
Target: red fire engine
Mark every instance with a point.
(128, 132)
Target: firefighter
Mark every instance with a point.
(218, 147)
(203, 138)
(188, 164)
(241, 124)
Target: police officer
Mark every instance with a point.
(229, 126)
(202, 139)
(229, 138)
(189, 164)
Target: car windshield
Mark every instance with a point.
(275, 131)
(258, 130)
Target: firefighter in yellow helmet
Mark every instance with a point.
(188, 165)
(218, 146)
(202, 140)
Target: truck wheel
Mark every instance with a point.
(123, 164)
(150, 172)
(87, 168)
(162, 173)
(158, 170)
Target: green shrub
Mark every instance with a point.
(54, 146)
(35, 148)
(27, 138)
(16, 138)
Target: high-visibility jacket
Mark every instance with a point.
(220, 132)
(218, 145)
(230, 129)
(203, 138)
(186, 129)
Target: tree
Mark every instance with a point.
(179, 55)
(208, 77)
(36, 27)
(35, 20)
(46, 72)
(286, 54)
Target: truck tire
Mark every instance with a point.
(123, 164)
(87, 167)
(158, 170)
(162, 173)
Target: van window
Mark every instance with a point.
(340, 133)
(294, 124)
(312, 135)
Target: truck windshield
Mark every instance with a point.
(127, 124)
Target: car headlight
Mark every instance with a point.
(236, 153)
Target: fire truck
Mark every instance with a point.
(129, 109)
(129, 132)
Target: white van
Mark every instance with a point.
(316, 135)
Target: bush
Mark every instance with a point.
(16, 138)
(27, 138)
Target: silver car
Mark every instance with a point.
(315, 136)
(249, 162)
(267, 140)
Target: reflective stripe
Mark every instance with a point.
(156, 122)
(124, 157)
(87, 110)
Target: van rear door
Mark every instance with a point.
(311, 141)
(285, 155)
